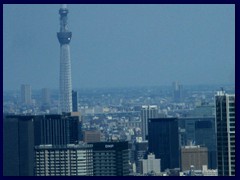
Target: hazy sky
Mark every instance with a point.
(120, 45)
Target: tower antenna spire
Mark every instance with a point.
(64, 38)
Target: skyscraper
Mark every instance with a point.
(18, 143)
(64, 37)
(164, 141)
(26, 94)
(141, 149)
(177, 92)
(225, 125)
(146, 113)
(56, 129)
(205, 135)
(45, 96)
(21, 133)
(200, 131)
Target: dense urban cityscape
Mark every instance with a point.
(171, 130)
(116, 115)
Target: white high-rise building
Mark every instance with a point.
(146, 113)
(26, 94)
(150, 165)
(68, 160)
(64, 37)
(225, 126)
(45, 96)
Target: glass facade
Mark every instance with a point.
(164, 141)
(225, 123)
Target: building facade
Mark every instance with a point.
(18, 143)
(146, 113)
(91, 136)
(67, 160)
(45, 96)
(164, 141)
(74, 101)
(26, 94)
(200, 131)
(110, 159)
(193, 155)
(57, 129)
(141, 149)
(22, 132)
(225, 125)
(150, 165)
(177, 92)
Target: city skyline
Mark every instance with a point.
(120, 45)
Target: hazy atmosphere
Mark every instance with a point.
(120, 45)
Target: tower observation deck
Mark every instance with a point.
(64, 38)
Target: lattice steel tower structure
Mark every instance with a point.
(64, 37)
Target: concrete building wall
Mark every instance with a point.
(193, 155)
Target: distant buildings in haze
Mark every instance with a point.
(26, 94)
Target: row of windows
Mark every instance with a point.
(63, 170)
(63, 157)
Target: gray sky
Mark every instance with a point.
(120, 45)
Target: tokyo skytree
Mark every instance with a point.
(64, 38)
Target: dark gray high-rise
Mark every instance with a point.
(199, 131)
(110, 159)
(141, 149)
(18, 144)
(74, 101)
(225, 125)
(164, 141)
(21, 133)
(56, 129)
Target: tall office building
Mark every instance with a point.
(193, 155)
(64, 37)
(205, 136)
(26, 94)
(18, 143)
(64, 160)
(74, 101)
(146, 113)
(164, 141)
(141, 149)
(110, 159)
(225, 125)
(21, 133)
(177, 92)
(200, 131)
(45, 96)
(57, 129)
